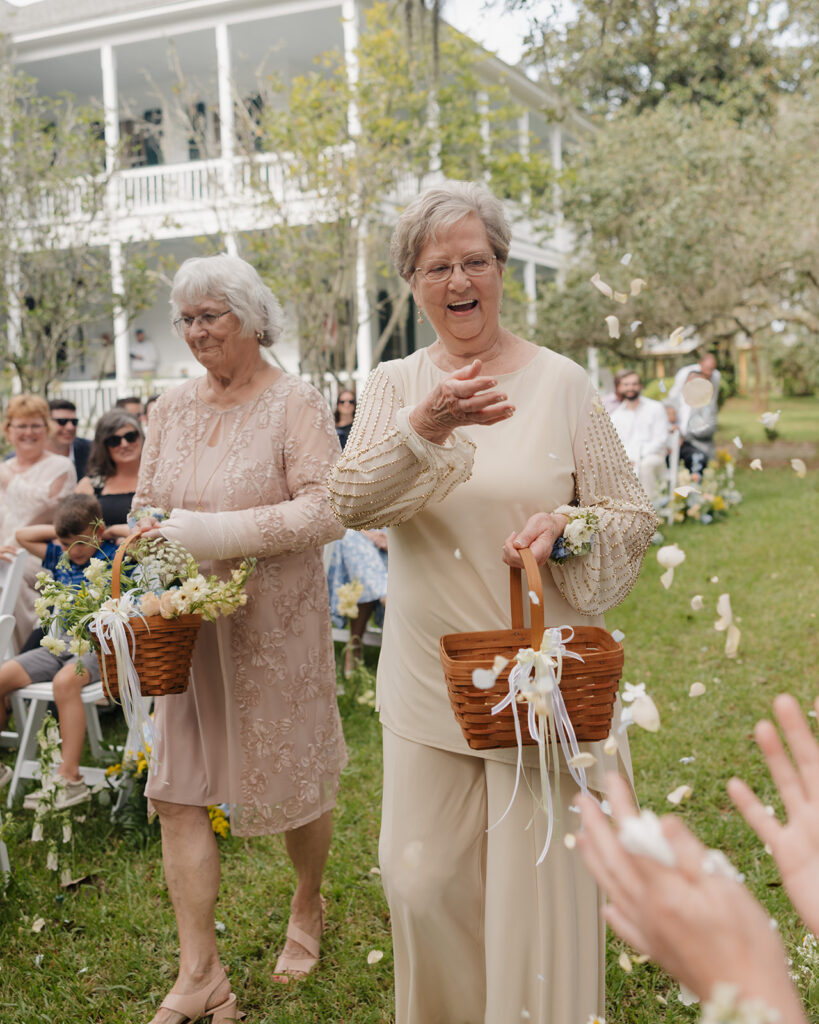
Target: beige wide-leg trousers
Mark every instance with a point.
(480, 934)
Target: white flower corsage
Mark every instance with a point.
(578, 536)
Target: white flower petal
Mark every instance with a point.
(374, 956)
(483, 678)
(624, 960)
(375, 871)
(770, 419)
(642, 834)
(618, 635)
(714, 579)
(500, 663)
(601, 285)
(625, 259)
(533, 597)
(457, 553)
(732, 639)
(687, 760)
(685, 489)
(696, 690)
(583, 760)
(799, 467)
(676, 796)
(569, 841)
(637, 285)
(738, 441)
(38, 924)
(610, 746)
(726, 615)
(676, 336)
(645, 714)
(756, 464)
(667, 578)
(697, 603)
(686, 996)
(620, 297)
(635, 324)
(613, 325)
(714, 862)
(670, 556)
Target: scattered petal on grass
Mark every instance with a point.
(696, 690)
(697, 603)
(221, 926)
(643, 958)
(533, 597)
(726, 615)
(613, 325)
(697, 392)
(645, 714)
(738, 441)
(483, 678)
(67, 833)
(676, 796)
(375, 871)
(756, 464)
(569, 841)
(500, 663)
(38, 960)
(601, 286)
(732, 639)
(667, 578)
(714, 579)
(687, 760)
(457, 553)
(583, 760)
(799, 467)
(618, 635)
(642, 835)
(374, 956)
(661, 999)
(686, 996)
(624, 960)
(610, 746)
(637, 285)
(38, 924)
(625, 259)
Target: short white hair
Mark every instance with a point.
(234, 280)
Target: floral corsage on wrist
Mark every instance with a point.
(578, 536)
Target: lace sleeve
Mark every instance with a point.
(388, 473)
(604, 481)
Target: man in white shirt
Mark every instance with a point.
(144, 357)
(642, 425)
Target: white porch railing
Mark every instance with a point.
(92, 398)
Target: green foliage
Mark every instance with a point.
(796, 366)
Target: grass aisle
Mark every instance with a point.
(106, 952)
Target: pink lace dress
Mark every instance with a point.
(258, 728)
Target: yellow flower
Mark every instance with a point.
(719, 503)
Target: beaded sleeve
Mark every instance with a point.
(604, 480)
(387, 472)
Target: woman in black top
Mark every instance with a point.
(345, 411)
(113, 467)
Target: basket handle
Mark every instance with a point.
(534, 586)
(116, 568)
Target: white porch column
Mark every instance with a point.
(110, 100)
(530, 285)
(227, 130)
(363, 336)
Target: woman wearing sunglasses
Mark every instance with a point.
(113, 467)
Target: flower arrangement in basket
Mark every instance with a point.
(141, 613)
(566, 678)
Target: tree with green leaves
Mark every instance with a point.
(342, 149)
(55, 222)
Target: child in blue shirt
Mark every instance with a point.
(79, 529)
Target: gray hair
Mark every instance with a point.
(236, 282)
(440, 207)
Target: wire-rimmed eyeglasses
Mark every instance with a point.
(473, 265)
(183, 324)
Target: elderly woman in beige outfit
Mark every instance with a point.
(468, 450)
(241, 457)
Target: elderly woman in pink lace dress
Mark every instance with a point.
(241, 456)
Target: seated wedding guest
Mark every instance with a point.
(344, 415)
(642, 425)
(77, 529)
(132, 404)
(706, 366)
(241, 456)
(697, 425)
(467, 451)
(359, 557)
(64, 440)
(32, 484)
(113, 467)
(685, 907)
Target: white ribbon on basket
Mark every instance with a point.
(112, 628)
(535, 679)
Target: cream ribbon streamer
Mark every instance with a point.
(536, 679)
(112, 628)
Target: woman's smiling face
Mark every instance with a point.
(462, 308)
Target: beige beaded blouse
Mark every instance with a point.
(450, 507)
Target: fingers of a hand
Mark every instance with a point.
(752, 810)
(799, 737)
(688, 850)
(619, 796)
(613, 867)
(467, 372)
(785, 776)
(510, 552)
(626, 927)
(537, 524)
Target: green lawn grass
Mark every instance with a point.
(107, 951)
(799, 420)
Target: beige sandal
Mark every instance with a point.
(194, 1006)
(297, 968)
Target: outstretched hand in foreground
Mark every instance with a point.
(703, 927)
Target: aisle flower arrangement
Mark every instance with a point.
(709, 496)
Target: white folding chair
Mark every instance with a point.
(11, 579)
(38, 696)
(673, 473)
(7, 737)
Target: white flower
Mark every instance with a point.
(756, 464)
(799, 467)
(633, 692)
(94, 572)
(53, 644)
(41, 607)
(578, 531)
(770, 419)
(78, 646)
(643, 835)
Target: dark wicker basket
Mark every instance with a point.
(589, 688)
(163, 647)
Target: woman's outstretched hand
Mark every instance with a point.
(461, 399)
(702, 926)
(539, 535)
(794, 845)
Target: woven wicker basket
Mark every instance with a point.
(163, 648)
(589, 688)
